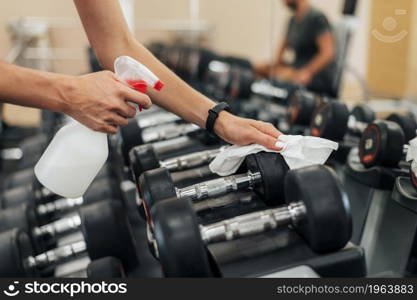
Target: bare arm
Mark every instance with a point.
(31, 88)
(325, 43)
(279, 61)
(109, 36)
(96, 100)
(326, 53)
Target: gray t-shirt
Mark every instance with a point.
(302, 38)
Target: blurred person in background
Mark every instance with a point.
(310, 43)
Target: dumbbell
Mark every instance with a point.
(407, 123)
(265, 175)
(46, 203)
(189, 62)
(334, 120)
(103, 236)
(131, 134)
(131, 137)
(27, 176)
(42, 235)
(383, 144)
(302, 105)
(317, 208)
(219, 78)
(144, 158)
(27, 152)
(166, 148)
(106, 267)
(239, 82)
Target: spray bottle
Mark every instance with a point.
(76, 153)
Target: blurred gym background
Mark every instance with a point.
(382, 70)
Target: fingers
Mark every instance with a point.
(266, 135)
(135, 97)
(125, 109)
(105, 128)
(110, 129)
(116, 119)
(267, 128)
(267, 141)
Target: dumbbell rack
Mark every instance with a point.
(252, 256)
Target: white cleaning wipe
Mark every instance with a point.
(298, 152)
(412, 150)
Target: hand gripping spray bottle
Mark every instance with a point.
(77, 153)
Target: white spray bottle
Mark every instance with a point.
(76, 153)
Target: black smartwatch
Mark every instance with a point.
(213, 114)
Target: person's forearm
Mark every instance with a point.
(26, 87)
(109, 36)
(318, 63)
(280, 55)
(176, 96)
(326, 54)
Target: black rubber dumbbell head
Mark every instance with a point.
(301, 108)
(242, 83)
(106, 267)
(154, 186)
(407, 123)
(204, 57)
(15, 247)
(131, 137)
(273, 170)
(104, 188)
(107, 232)
(181, 250)
(381, 144)
(331, 121)
(143, 158)
(327, 225)
(18, 196)
(363, 113)
(19, 178)
(22, 217)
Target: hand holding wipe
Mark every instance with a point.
(76, 153)
(298, 152)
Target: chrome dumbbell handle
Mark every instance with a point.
(59, 227)
(11, 154)
(265, 88)
(222, 201)
(59, 206)
(157, 119)
(167, 131)
(42, 193)
(190, 160)
(356, 125)
(253, 223)
(219, 186)
(56, 256)
(172, 144)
